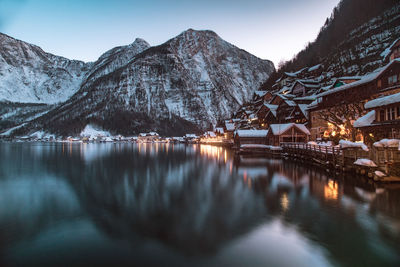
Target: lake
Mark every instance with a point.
(67, 204)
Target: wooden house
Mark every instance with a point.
(284, 110)
(304, 87)
(384, 81)
(229, 129)
(287, 133)
(382, 120)
(393, 51)
(242, 137)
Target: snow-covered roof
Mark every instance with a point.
(290, 103)
(211, 134)
(219, 130)
(251, 133)
(387, 51)
(365, 120)
(260, 93)
(314, 67)
(303, 108)
(230, 126)
(383, 101)
(278, 129)
(309, 97)
(365, 79)
(190, 136)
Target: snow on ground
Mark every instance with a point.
(347, 144)
(91, 131)
(380, 174)
(365, 162)
(387, 143)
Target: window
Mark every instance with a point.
(392, 79)
(398, 112)
(379, 83)
(381, 115)
(392, 113)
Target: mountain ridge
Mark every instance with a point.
(192, 80)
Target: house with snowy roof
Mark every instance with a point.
(304, 87)
(392, 52)
(287, 133)
(250, 136)
(382, 120)
(384, 81)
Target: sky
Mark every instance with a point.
(85, 29)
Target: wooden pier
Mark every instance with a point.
(342, 159)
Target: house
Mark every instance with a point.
(384, 81)
(304, 87)
(337, 82)
(250, 137)
(286, 133)
(229, 129)
(262, 114)
(284, 110)
(382, 120)
(148, 137)
(393, 51)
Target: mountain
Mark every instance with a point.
(352, 40)
(30, 75)
(185, 84)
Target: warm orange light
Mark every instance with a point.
(284, 202)
(333, 133)
(331, 191)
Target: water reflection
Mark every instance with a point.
(196, 205)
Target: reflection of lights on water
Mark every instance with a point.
(284, 202)
(225, 156)
(212, 151)
(331, 190)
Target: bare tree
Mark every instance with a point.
(343, 115)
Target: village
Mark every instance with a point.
(339, 123)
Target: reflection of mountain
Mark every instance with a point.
(184, 198)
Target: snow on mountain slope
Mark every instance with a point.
(30, 75)
(195, 78)
(114, 59)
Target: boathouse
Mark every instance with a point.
(287, 133)
(250, 137)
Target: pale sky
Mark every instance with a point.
(84, 29)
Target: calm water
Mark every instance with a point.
(176, 205)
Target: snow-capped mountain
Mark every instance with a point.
(30, 75)
(187, 83)
(114, 59)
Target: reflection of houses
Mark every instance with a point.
(383, 119)
(385, 81)
(250, 137)
(285, 133)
